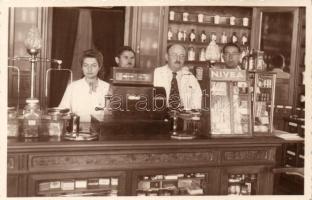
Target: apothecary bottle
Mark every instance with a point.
(12, 122)
(31, 119)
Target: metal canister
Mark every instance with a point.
(74, 123)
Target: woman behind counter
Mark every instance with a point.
(84, 95)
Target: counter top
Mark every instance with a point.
(151, 142)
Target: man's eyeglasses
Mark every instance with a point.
(180, 57)
(231, 54)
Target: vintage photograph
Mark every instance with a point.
(155, 100)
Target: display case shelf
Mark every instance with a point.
(208, 24)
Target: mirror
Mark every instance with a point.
(278, 39)
(276, 35)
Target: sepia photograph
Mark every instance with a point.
(157, 100)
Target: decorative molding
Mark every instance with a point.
(249, 155)
(112, 161)
(12, 163)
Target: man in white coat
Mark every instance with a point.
(182, 88)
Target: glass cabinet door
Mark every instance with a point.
(246, 180)
(175, 182)
(77, 184)
(147, 35)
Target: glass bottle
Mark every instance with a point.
(32, 118)
(234, 38)
(192, 35)
(180, 35)
(170, 34)
(191, 54)
(203, 36)
(223, 38)
(244, 39)
(171, 15)
(202, 56)
(184, 35)
(12, 122)
(251, 60)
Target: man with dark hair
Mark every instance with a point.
(182, 88)
(231, 55)
(278, 63)
(125, 57)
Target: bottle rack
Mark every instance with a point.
(172, 184)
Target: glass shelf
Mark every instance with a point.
(208, 24)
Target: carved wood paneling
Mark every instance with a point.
(249, 155)
(113, 161)
(12, 163)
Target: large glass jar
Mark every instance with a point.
(12, 122)
(57, 121)
(31, 119)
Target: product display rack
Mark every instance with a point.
(263, 95)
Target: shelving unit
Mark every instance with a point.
(208, 26)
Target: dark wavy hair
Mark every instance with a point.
(123, 49)
(92, 53)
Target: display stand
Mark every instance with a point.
(230, 105)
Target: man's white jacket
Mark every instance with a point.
(189, 89)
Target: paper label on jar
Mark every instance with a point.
(32, 122)
(81, 184)
(104, 181)
(114, 181)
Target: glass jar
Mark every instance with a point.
(12, 122)
(56, 124)
(31, 119)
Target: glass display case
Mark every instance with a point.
(73, 184)
(172, 184)
(230, 107)
(263, 85)
(242, 184)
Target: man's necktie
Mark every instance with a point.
(174, 96)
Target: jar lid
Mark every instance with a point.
(32, 101)
(11, 108)
(57, 110)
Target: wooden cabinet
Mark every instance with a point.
(120, 168)
(146, 35)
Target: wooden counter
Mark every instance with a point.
(32, 162)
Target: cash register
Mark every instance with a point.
(135, 108)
